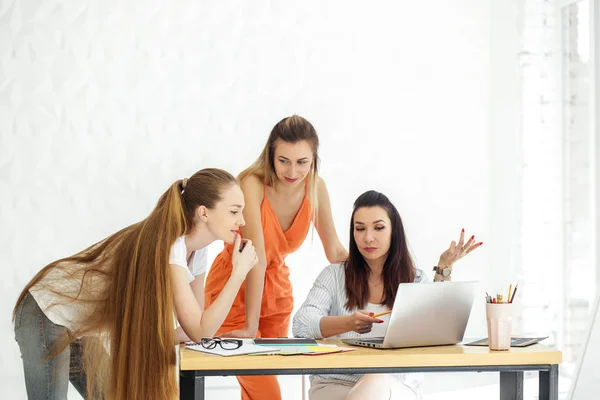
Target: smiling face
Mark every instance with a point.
(372, 232)
(224, 220)
(292, 161)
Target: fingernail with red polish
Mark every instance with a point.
(480, 243)
(472, 237)
(463, 230)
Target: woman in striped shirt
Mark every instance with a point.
(345, 296)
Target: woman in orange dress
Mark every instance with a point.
(283, 194)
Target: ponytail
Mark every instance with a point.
(144, 309)
(129, 343)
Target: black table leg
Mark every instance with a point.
(191, 386)
(549, 383)
(511, 385)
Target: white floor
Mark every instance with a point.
(437, 386)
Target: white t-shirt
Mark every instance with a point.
(198, 261)
(67, 279)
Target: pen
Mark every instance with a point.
(509, 293)
(499, 296)
(514, 293)
(380, 314)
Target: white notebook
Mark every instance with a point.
(247, 348)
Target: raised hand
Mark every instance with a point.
(456, 251)
(245, 258)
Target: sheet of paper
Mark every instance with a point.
(311, 350)
(247, 348)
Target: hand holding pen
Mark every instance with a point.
(362, 322)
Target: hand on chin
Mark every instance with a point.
(231, 237)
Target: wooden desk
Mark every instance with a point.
(511, 365)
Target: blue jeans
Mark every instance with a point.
(46, 379)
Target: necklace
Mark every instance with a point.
(376, 284)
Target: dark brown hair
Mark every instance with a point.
(398, 267)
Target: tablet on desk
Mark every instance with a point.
(514, 341)
(284, 341)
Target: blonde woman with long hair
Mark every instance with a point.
(105, 318)
(284, 194)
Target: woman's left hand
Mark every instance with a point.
(246, 332)
(456, 251)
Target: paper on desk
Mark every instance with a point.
(310, 350)
(342, 349)
(247, 348)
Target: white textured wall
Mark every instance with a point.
(104, 103)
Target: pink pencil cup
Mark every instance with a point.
(499, 325)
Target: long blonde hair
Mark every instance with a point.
(290, 130)
(129, 344)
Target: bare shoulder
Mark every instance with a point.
(321, 187)
(252, 186)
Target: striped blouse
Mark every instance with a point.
(328, 297)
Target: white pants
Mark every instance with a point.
(388, 388)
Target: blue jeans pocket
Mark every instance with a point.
(46, 378)
(19, 313)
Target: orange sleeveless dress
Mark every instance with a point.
(277, 300)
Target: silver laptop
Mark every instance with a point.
(425, 314)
